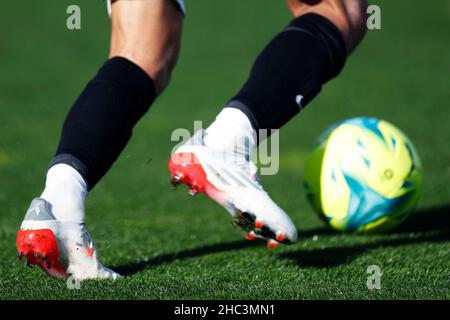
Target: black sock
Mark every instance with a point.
(100, 122)
(290, 71)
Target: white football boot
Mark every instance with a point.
(61, 249)
(231, 181)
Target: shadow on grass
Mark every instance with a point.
(429, 225)
(135, 267)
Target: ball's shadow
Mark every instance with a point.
(427, 225)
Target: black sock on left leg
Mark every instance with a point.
(100, 122)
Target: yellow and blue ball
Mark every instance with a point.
(363, 175)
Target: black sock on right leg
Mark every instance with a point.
(291, 70)
(100, 122)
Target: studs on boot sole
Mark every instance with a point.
(176, 179)
(272, 244)
(250, 236)
(280, 237)
(259, 224)
(193, 190)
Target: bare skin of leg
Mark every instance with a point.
(148, 33)
(348, 15)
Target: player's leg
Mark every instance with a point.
(286, 76)
(145, 40)
(294, 66)
(148, 33)
(349, 16)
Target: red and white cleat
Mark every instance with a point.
(61, 249)
(231, 181)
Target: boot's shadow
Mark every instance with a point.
(134, 267)
(427, 225)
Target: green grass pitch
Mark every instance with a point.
(172, 246)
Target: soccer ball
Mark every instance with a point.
(363, 175)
